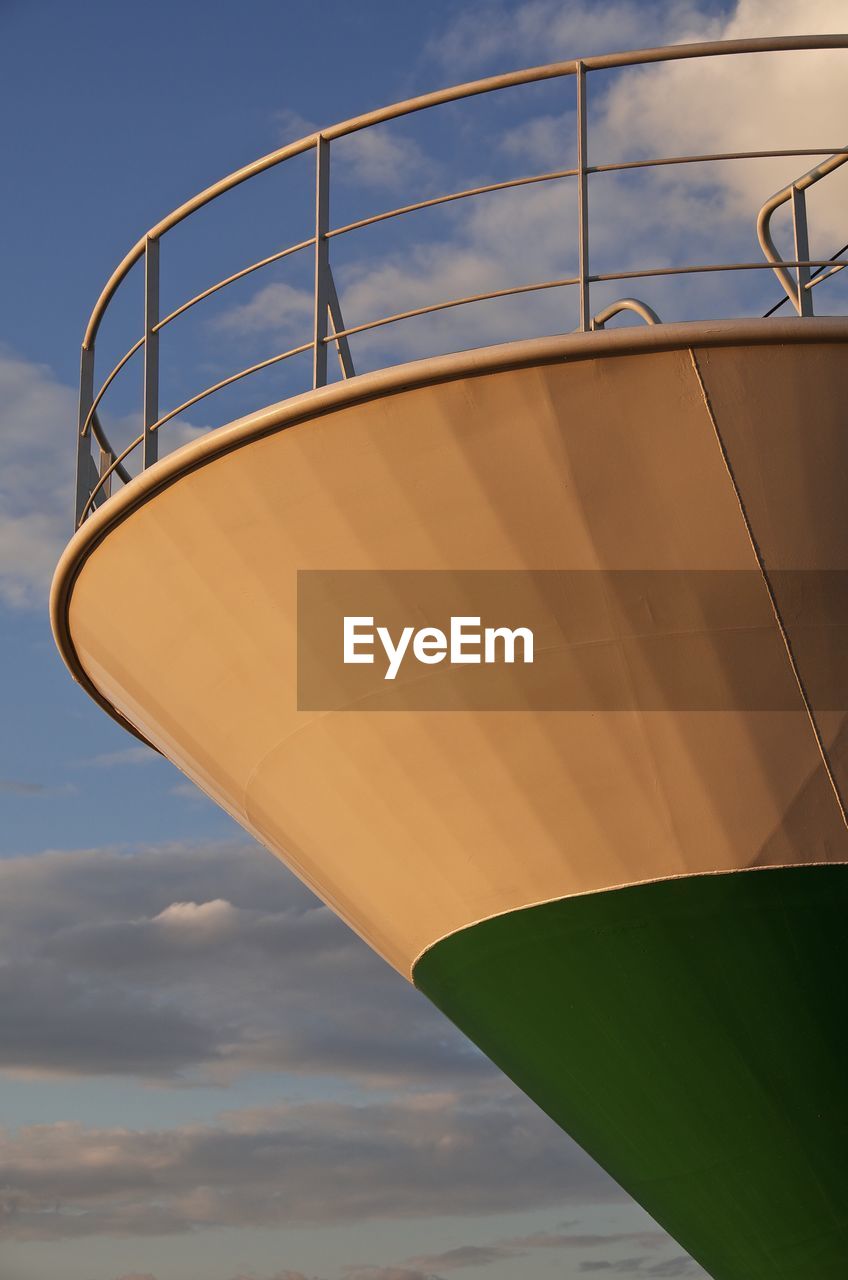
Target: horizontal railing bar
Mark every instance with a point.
(238, 275)
(454, 195)
(709, 266)
(718, 155)
(115, 466)
(820, 274)
(819, 278)
(558, 284)
(638, 57)
(453, 302)
(96, 401)
(226, 382)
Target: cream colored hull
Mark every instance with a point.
(178, 602)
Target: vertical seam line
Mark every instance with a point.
(771, 594)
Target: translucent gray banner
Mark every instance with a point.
(578, 640)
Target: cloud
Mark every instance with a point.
(488, 38)
(181, 962)
(640, 1267)
(291, 126)
(387, 160)
(411, 1157)
(475, 1255)
(279, 307)
(188, 791)
(37, 417)
(14, 787)
(386, 1273)
(278, 1275)
(767, 101)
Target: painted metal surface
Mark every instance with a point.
(692, 1035)
(578, 463)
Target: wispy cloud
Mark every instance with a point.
(16, 787)
(165, 963)
(35, 790)
(571, 1243)
(310, 1163)
(384, 159)
(279, 308)
(187, 791)
(489, 37)
(641, 1267)
(37, 416)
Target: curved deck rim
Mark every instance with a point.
(478, 362)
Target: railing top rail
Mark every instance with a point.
(530, 75)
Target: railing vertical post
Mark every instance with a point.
(583, 199)
(802, 251)
(107, 457)
(322, 261)
(150, 444)
(85, 461)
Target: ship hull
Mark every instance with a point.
(593, 892)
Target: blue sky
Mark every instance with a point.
(204, 1073)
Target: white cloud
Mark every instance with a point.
(279, 308)
(37, 417)
(187, 962)
(378, 158)
(291, 125)
(742, 103)
(492, 37)
(308, 1163)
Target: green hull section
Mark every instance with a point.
(692, 1036)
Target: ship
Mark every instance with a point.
(621, 870)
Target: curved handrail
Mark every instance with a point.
(328, 324)
(793, 290)
(642, 309)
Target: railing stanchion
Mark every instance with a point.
(583, 199)
(802, 251)
(322, 261)
(150, 445)
(85, 461)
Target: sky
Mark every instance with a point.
(202, 1071)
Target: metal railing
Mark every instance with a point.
(96, 475)
(798, 291)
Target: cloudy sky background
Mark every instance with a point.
(203, 1072)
